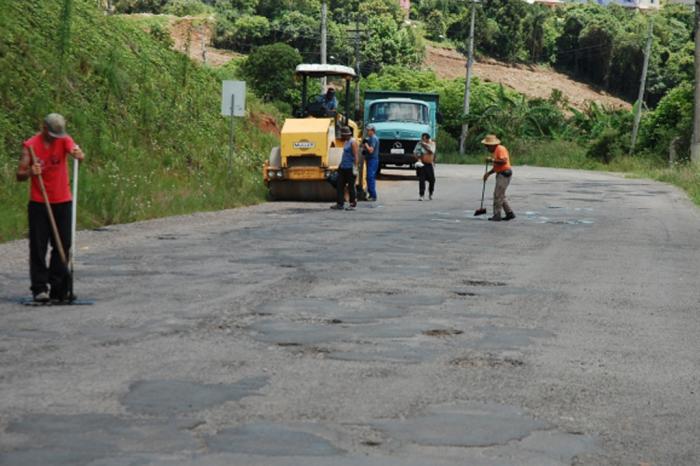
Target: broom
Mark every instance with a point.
(481, 210)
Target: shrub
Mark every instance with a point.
(139, 6)
(270, 71)
(186, 8)
(161, 34)
(606, 147)
(435, 26)
(246, 33)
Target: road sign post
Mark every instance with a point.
(232, 106)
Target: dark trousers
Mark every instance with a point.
(40, 235)
(346, 178)
(426, 173)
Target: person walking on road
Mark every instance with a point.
(370, 150)
(424, 153)
(51, 147)
(347, 171)
(501, 167)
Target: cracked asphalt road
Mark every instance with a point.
(403, 333)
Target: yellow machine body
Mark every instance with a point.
(308, 153)
(309, 150)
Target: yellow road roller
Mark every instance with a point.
(309, 151)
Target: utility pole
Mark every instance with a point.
(358, 36)
(642, 86)
(695, 143)
(324, 39)
(468, 83)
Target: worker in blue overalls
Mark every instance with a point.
(370, 150)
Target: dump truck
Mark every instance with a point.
(400, 118)
(310, 146)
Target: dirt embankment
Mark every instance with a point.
(193, 36)
(533, 81)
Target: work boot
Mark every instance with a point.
(509, 216)
(351, 206)
(41, 297)
(495, 218)
(430, 198)
(421, 198)
(337, 206)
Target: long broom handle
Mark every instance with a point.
(74, 211)
(483, 188)
(52, 220)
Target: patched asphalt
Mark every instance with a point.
(405, 333)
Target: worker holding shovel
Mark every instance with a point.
(44, 160)
(501, 167)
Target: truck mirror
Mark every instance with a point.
(439, 118)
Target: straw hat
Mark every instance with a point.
(491, 140)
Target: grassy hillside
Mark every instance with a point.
(147, 118)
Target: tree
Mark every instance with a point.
(244, 34)
(185, 8)
(274, 8)
(388, 44)
(435, 26)
(139, 6)
(233, 8)
(539, 32)
(270, 71)
(300, 31)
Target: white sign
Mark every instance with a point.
(233, 92)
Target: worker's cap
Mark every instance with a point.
(371, 128)
(491, 140)
(56, 125)
(425, 135)
(345, 131)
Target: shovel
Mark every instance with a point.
(481, 210)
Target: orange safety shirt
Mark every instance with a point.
(501, 154)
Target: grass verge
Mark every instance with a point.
(568, 154)
(146, 116)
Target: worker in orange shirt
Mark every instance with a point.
(501, 167)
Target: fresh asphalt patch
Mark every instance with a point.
(285, 334)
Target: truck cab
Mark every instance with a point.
(400, 118)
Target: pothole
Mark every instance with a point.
(486, 360)
(483, 283)
(288, 344)
(371, 443)
(167, 397)
(442, 332)
(464, 293)
(267, 439)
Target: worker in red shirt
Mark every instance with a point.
(51, 147)
(501, 167)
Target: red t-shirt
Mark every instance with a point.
(54, 169)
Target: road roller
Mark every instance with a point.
(310, 146)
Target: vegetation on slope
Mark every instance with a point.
(147, 117)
